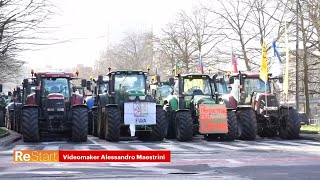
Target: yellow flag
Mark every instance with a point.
(286, 75)
(264, 63)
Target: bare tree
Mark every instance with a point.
(134, 52)
(20, 24)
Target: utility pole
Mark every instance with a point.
(297, 56)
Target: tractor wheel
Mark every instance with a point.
(30, 125)
(17, 121)
(95, 122)
(113, 124)
(171, 133)
(232, 126)
(101, 123)
(247, 124)
(90, 122)
(184, 126)
(79, 124)
(289, 124)
(11, 120)
(159, 131)
(2, 118)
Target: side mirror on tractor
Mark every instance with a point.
(0, 87)
(9, 93)
(100, 79)
(83, 82)
(88, 85)
(280, 79)
(18, 90)
(25, 83)
(171, 81)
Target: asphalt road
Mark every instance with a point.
(200, 159)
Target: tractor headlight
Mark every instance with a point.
(60, 109)
(50, 109)
(132, 98)
(142, 97)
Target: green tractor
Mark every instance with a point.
(98, 87)
(127, 110)
(193, 108)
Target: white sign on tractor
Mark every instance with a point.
(140, 113)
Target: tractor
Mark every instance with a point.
(127, 110)
(53, 108)
(193, 108)
(3, 104)
(246, 117)
(159, 90)
(272, 118)
(97, 87)
(19, 98)
(12, 110)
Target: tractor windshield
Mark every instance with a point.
(103, 87)
(56, 85)
(200, 84)
(255, 85)
(124, 82)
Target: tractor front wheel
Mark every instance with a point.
(247, 124)
(289, 124)
(171, 133)
(232, 126)
(159, 131)
(30, 125)
(113, 124)
(79, 124)
(184, 126)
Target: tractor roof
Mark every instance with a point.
(57, 75)
(128, 72)
(251, 75)
(194, 74)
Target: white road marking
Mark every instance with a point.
(51, 147)
(197, 146)
(170, 147)
(140, 147)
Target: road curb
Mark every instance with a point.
(9, 139)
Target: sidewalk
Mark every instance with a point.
(9, 139)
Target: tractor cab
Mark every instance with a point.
(128, 86)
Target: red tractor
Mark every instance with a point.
(272, 118)
(54, 108)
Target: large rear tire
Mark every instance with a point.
(95, 122)
(289, 124)
(232, 126)
(113, 124)
(2, 117)
(30, 124)
(171, 133)
(159, 131)
(79, 124)
(101, 122)
(247, 124)
(184, 126)
(11, 120)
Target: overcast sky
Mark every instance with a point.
(87, 22)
